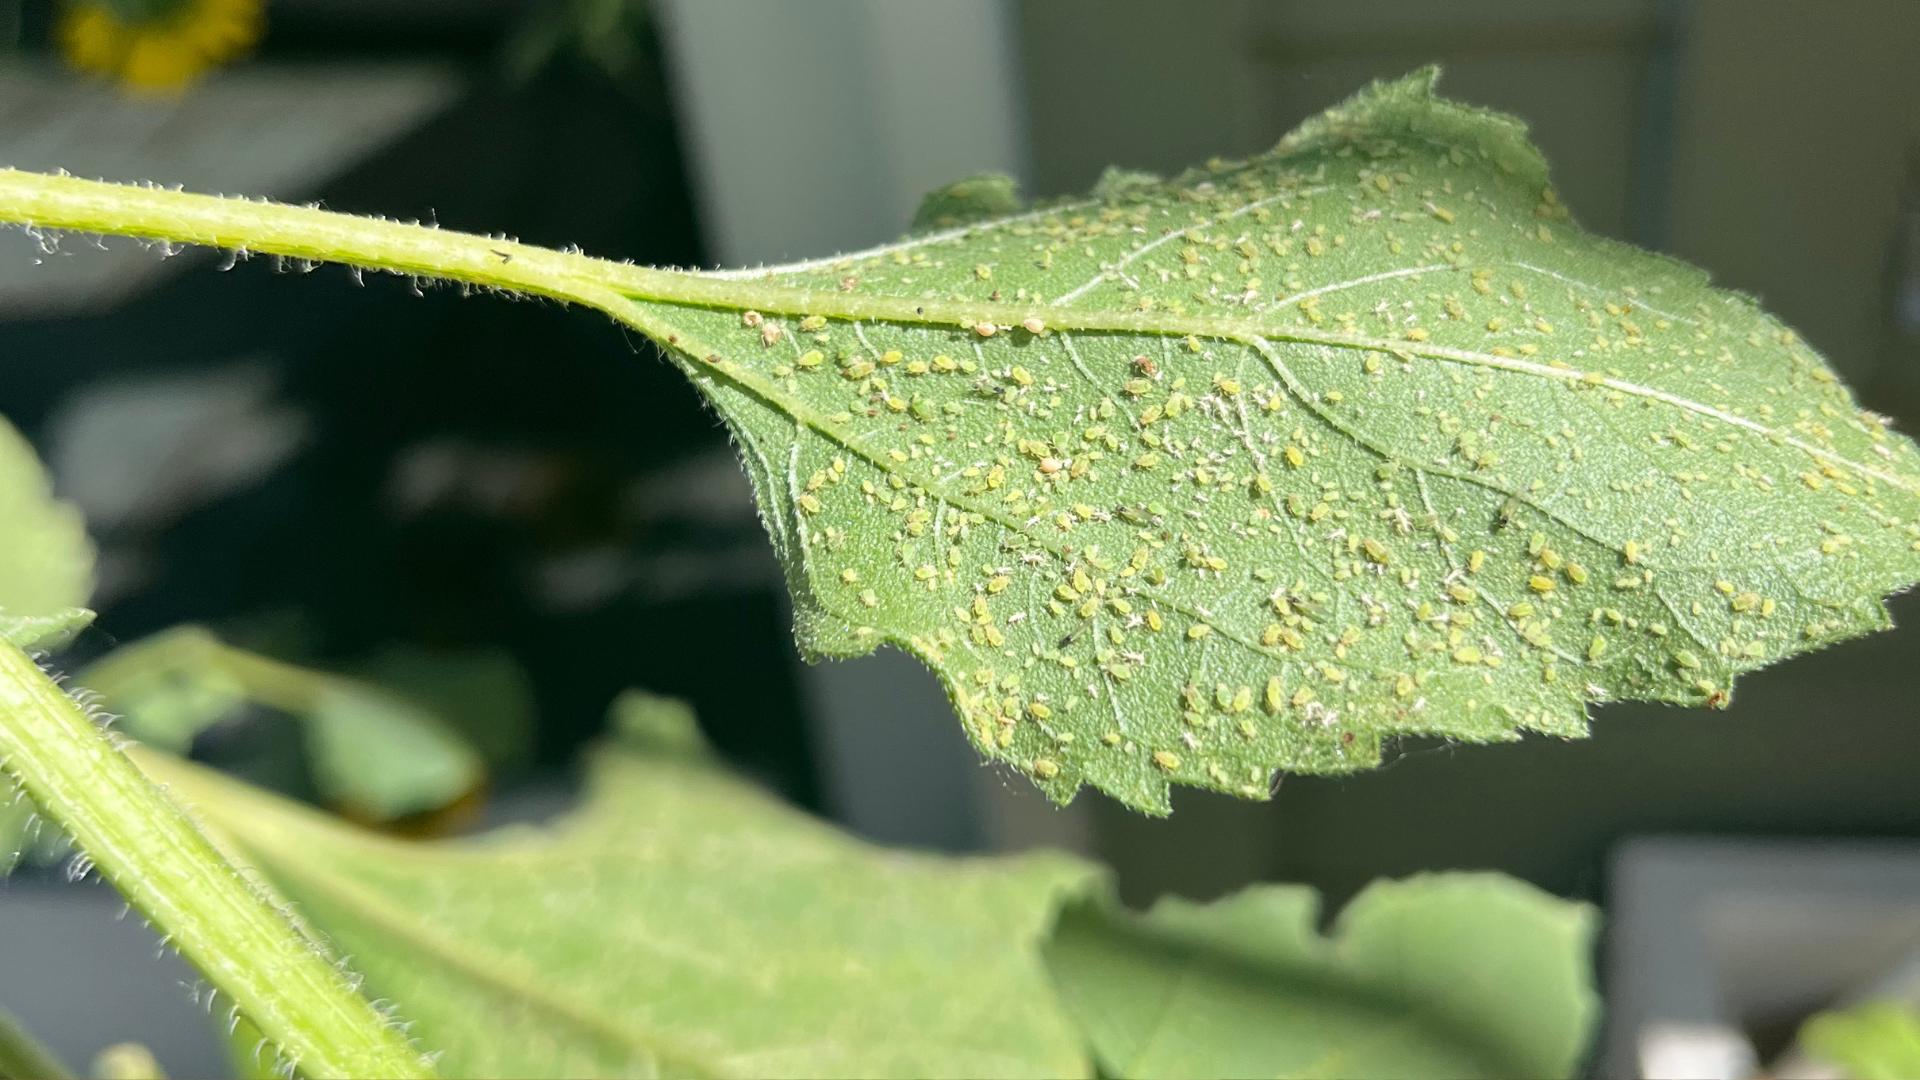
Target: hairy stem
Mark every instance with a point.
(143, 843)
(64, 202)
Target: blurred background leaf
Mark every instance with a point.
(46, 576)
(681, 921)
(46, 561)
(374, 754)
(1441, 975)
(1876, 1040)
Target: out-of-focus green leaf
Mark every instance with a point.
(380, 757)
(1443, 975)
(167, 688)
(46, 575)
(373, 753)
(682, 921)
(482, 693)
(1878, 1040)
(966, 201)
(46, 560)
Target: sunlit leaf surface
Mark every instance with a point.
(1256, 468)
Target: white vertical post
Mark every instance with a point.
(815, 128)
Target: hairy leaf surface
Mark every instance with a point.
(682, 923)
(1256, 468)
(46, 560)
(1438, 975)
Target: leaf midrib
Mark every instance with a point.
(620, 290)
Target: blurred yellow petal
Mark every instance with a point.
(165, 53)
(93, 40)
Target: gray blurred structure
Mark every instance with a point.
(265, 131)
(1711, 940)
(82, 973)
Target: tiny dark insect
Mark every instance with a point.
(1143, 365)
(1065, 641)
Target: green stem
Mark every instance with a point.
(64, 202)
(23, 1057)
(142, 842)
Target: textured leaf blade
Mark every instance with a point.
(683, 922)
(1257, 468)
(1439, 975)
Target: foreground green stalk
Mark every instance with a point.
(25, 1057)
(142, 842)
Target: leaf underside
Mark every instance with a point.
(1447, 975)
(1359, 438)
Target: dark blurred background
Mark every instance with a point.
(385, 479)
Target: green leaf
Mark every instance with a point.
(374, 753)
(46, 574)
(1254, 469)
(1879, 1040)
(46, 560)
(682, 921)
(1257, 468)
(379, 757)
(1448, 975)
(481, 691)
(973, 199)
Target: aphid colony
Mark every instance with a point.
(1303, 502)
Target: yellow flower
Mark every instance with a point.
(163, 48)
